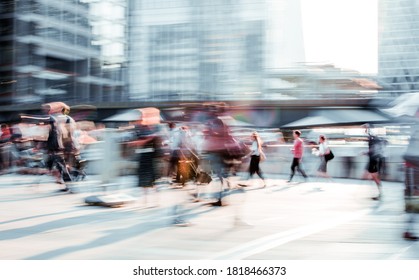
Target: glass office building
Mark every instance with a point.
(61, 50)
(207, 50)
(399, 46)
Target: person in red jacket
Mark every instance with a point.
(5, 137)
(298, 151)
(5, 133)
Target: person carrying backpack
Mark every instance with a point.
(69, 142)
(55, 146)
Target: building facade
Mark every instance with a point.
(59, 50)
(208, 50)
(398, 46)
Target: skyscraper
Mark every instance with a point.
(209, 50)
(398, 46)
(55, 50)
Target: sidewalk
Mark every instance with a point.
(313, 220)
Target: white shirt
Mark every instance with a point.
(65, 128)
(255, 148)
(323, 147)
(174, 139)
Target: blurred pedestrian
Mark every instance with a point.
(411, 181)
(5, 133)
(256, 155)
(298, 151)
(218, 135)
(55, 148)
(15, 138)
(174, 146)
(375, 159)
(149, 149)
(188, 159)
(16, 133)
(70, 145)
(322, 153)
(5, 147)
(409, 233)
(187, 168)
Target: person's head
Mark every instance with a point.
(254, 135)
(296, 133)
(368, 128)
(172, 125)
(322, 138)
(65, 110)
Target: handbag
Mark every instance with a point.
(203, 178)
(329, 156)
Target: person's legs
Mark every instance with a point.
(50, 164)
(173, 161)
(5, 157)
(293, 166)
(219, 173)
(56, 165)
(257, 170)
(252, 167)
(261, 176)
(2, 161)
(366, 175)
(373, 169)
(217, 166)
(322, 171)
(408, 234)
(376, 178)
(179, 209)
(62, 167)
(301, 170)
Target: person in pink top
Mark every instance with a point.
(298, 151)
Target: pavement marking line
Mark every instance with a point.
(271, 241)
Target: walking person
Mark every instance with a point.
(217, 146)
(256, 154)
(186, 166)
(149, 145)
(322, 153)
(298, 151)
(55, 147)
(174, 145)
(217, 136)
(70, 145)
(5, 148)
(375, 159)
(411, 191)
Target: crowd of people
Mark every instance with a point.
(180, 152)
(186, 146)
(46, 143)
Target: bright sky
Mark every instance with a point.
(341, 32)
